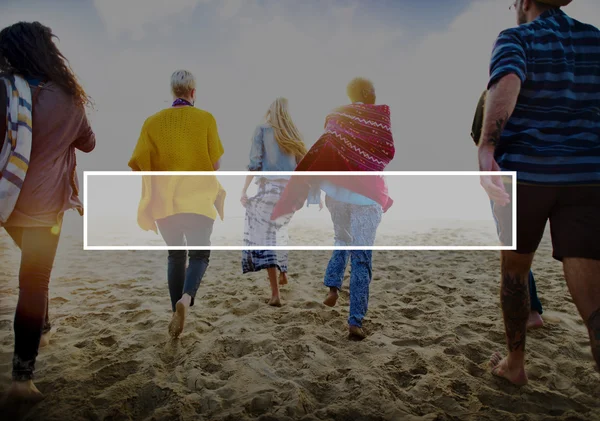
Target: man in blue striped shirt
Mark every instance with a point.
(542, 120)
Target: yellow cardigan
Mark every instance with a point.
(178, 139)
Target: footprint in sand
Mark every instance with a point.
(461, 389)
(149, 401)
(245, 309)
(228, 303)
(115, 373)
(299, 352)
(411, 313)
(293, 332)
(107, 341)
(74, 321)
(137, 315)
(404, 379)
(307, 304)
(197, 380)
(58, 300)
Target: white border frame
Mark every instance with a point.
(512, 174)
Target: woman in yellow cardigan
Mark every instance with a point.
(180, 138)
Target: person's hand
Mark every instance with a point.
(244, 199)
(321, 204)
(493, 185)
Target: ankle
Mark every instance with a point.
(516, 362)
(21, 383)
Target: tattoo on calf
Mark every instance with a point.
(515, 308)
(594, 326)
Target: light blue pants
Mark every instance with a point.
(354, 225)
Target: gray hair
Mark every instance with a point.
(182, 83)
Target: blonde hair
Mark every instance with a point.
(357, 86)
(182, 83)
(287, 135)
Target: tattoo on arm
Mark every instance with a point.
(593, 324)
(494, 136)
(514, 297)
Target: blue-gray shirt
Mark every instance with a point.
(266, 155)
(553, 135)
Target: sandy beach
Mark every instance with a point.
(434, 321)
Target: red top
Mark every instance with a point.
(357, 137)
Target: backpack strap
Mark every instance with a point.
(3, 106)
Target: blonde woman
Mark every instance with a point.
(276, 146)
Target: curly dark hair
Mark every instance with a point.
(28, 49)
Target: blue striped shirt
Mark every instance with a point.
(553, 135)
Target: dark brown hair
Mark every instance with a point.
(28, 49)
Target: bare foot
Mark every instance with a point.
(283, 279)
(23, 392)
(45, 339)
(535, 321)
(500, 368)
(332, 298)
(19, 399)
(275, 302)
(178, 320)
(356, 333)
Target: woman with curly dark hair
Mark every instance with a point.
(42, 116)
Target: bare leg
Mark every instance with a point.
(283, 279)
(514, 296)
(583, 280)
(275, 301)
(535, 318)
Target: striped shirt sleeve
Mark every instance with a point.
(508, 57)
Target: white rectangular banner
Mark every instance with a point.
(333, 211)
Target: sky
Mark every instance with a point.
(428, 60)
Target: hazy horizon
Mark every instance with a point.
(422, 203)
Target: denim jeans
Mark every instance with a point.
(354, 225)
(536, 304)
(38, 250)
(180, 230)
